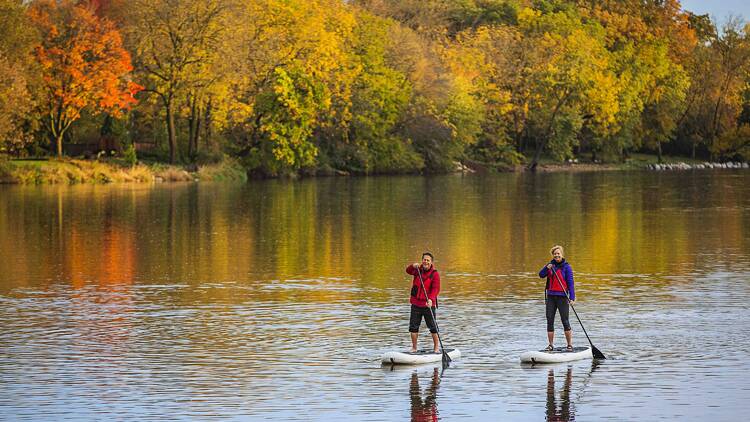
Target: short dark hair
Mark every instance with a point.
(428, 254)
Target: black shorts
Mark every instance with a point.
(557, 303)
(415, 319)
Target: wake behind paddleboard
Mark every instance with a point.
(559, 354)
(420, 356)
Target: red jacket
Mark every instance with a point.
(431, 280)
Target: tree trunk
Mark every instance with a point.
(197, 133)
(171, 132)
(717, 109)
(207, 124)
(692, 155)
(542, 142)
(191, 127)
(59, 144)
(658, 152)
(57, 130)
(537, 154)
(195, 125)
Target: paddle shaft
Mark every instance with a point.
(594, 350)
(434, 320)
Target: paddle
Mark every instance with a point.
(446, 358)
(596, 352)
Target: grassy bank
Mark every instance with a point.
(74, 171)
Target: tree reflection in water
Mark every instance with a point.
(424, 406)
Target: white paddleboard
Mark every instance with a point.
(560, 354)
(420, 356)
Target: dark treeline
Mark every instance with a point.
(372, 86)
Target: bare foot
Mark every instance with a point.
(436, 351)
(413, 350)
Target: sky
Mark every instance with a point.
(718, 9)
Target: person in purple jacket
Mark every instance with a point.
(559, 281)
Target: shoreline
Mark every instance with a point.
(731, 165)
(78, 171)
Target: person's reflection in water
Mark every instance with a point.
(424, 409)
(564, 409)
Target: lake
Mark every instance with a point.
(275, 299)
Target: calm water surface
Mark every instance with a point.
(274, 300)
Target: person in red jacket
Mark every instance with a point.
(422, 303)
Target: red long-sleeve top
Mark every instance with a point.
(431, 280)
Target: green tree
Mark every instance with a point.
(298, 48)
(286, 119)
(379, 96)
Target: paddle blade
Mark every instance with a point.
(446, 359)
(597, 353)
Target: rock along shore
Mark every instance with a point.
(706, 165)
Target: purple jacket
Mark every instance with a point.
(567, 273)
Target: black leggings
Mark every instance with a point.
(555, 303)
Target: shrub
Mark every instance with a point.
(129, 155)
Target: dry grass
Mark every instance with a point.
(173, 174)
(36, 172)
(141, 174)
(70, 171)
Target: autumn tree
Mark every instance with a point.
(291, 53)
(479, 103)
(649, 43)
(718, 72)
(570, 80)
(17, 33)
(176, 43)
(732, 50)
(83, 65)
(424, 124)
(429, 17)
(15, 104)
(17, 37)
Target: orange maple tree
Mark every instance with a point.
(84, 65)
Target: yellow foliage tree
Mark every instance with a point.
(176, 44)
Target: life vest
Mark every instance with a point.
(554, 282)
(418, 296)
